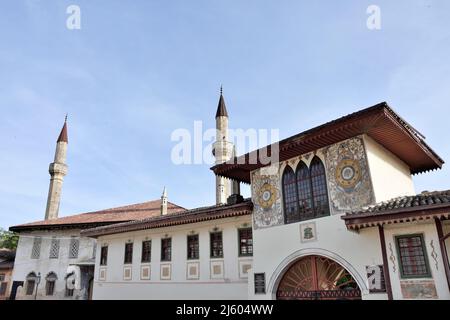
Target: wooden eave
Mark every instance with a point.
(379, 122)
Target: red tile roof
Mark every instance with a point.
(132, 212)
(190, 216)
(424, 206)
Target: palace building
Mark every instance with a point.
(335, 217)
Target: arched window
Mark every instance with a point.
(319, 188)
(31, 283)
(290, 196)
(304, 192)
(50, 283)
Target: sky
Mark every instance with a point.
(138, 70)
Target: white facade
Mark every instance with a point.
(25, 263)
(222, 278)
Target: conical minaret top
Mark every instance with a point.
(57, 170)
(221, 108)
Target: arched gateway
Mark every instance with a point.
(317, 278)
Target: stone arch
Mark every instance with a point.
(290, 260)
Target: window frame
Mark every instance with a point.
(74, 248)
(149, 251)
(240, 244)
(163, 258)
(3, 288)
(424, 251)
(29, 286)
(104, 254)
(128, 253)
(283, 177)
(196, 250)
(211, 245)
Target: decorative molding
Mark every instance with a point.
(244, 267)
(127, 273)
(102, 274)
(166, 271)
(145, 272)
(434, 254)
(267, 204)
(308, 232)
(349, 182)
(217, 269)
(193, 271)
(392, 258)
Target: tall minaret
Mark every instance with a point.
(222, 150)
(164, 202)
(57, 170)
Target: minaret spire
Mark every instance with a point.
(164, 202)
(222, 149)
(57, 170)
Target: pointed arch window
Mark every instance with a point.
(290, 196)
(305, 192)
(319, 188)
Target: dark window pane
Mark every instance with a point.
(216, 245)
(193, 247)
(290, 196)
(30, 287)
(245, 242)
(146, 251)
(104, 256)
(166, 249)
(304, 192)
(412, 256)
(128, 253)
(319, 188)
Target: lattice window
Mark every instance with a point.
(305, 202)
(146, 251)
(216, 245)
(54, 249)
(193, 247)
(260, 283)
(245, 242)
(36, 250)
(412, 256)
(319, 188)
(128, 253)
(74, 247)
(166, 249)
(290, 196)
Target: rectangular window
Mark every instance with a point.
(216, 245)
(245, 242)
(146, 251)
(73, 249)
(412, 256)
(193, 247)
(69, 292)
(30, 287)
(54, 249)
(260, 283)
(49, 288)
(128, 253)
(104, 256)
(36, 251)
(2, 277)
(3, 288)
(166, 249)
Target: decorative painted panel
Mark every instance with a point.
(348, 176)
(418, 289)
(266, 196)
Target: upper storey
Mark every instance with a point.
(341, 166)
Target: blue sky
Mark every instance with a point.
(138, 70)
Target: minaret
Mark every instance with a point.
(57, 170)
(164, 202)
(222, 150)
